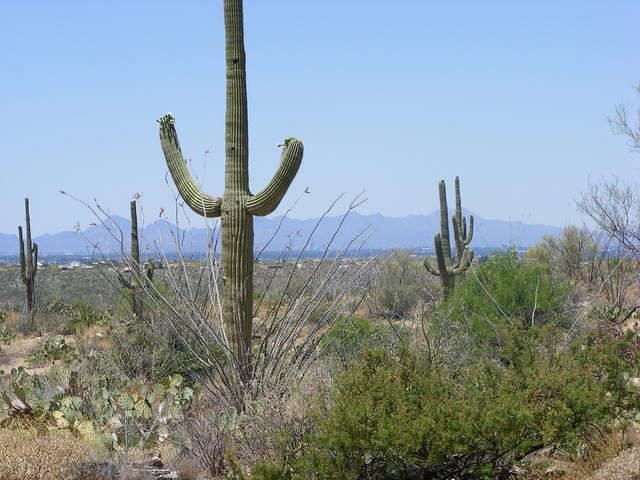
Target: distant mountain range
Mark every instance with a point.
(413, 231)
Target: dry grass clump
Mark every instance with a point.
(28, 456)
(608, 456)
(625, 466)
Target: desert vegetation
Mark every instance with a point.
(342, 366)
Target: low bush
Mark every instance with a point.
(52, 350)
(393, 416)
(504, 294)
(400, 284)
(351, 336)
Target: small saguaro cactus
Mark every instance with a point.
(137, 276)
(237, 206)
(28, 259)
(446, 268)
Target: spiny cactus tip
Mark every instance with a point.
(287, 141)
(167, 119)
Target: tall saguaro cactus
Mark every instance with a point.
(446, 268)
(237, 206)
(28, 259)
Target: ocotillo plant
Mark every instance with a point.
(28, 259)
(137, 277)
(237, 206)
(446, 268)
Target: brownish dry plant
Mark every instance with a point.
(28, 456)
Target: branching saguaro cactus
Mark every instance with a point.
(237, 206)
(446, 268)
(28, 259)
(137, 274)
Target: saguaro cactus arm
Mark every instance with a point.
(430, 268)
(267, 200)
(445, 245)
(462, 237)
(32, 248)
(440, 256)
(35, 258)
(199, 202)
(464, 263)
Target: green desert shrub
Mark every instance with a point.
(350, 337)
(506, 292)
(393, 416)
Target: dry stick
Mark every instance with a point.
(164, 306)
(584, 311)
(324, 283)
(178, 318)
(281, 299)
(264, 293)
(491, 297)
(271, 363)
(303, 288)
(297, 295)
(535, 303)
(282, 219)
(310, 337)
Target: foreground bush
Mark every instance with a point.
(395, 416)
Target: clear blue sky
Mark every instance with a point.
(388, 96)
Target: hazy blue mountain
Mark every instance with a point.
(9, 244)
(380, 232)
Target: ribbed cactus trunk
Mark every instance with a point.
(138, 278)
(136, 304)
(446, 275)
(28, 260)
(236, 222)
(446, 269)
(237, 205)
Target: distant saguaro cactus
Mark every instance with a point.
(137, 276)
(28, 259)
(237, 205)
(446, 268)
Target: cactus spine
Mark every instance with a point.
(446, 268)
(237, 206)
(28, 259)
